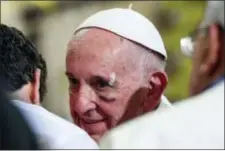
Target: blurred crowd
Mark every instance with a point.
(112, 75)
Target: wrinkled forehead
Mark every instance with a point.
(96, 38)
(99, 49)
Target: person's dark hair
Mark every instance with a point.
(19, 59)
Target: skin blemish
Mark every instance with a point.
(112, 79)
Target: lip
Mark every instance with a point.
(93, 121)
(93, 127)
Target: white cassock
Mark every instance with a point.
(164, 103)
(196, 123)
(52, 131)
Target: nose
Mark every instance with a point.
(83, 101)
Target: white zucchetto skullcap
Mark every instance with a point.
(128, 24)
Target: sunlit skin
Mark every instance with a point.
(97, 103)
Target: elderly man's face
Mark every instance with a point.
(103, 76)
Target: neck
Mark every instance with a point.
(17, 96)
(23, 94)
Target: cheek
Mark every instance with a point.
(114, 113)
(115, 110)
(71, 101)
(72, 108)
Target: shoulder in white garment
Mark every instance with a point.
(53, 132)
(164, 103)
(195, 123)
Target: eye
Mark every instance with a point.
(73, 82)
(102, 84)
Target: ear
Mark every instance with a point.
(212, 57)
(35, 95)
(157, 85)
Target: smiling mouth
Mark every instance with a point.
(93, 121)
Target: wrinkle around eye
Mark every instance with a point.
(107, 96)
(100, 84)
(106, 99)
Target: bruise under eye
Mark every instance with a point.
(107, 99)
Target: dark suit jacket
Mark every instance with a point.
(14, 131)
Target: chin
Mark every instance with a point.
(96, 138)
(95, 135)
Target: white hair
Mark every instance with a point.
(151, 61)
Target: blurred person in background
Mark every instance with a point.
(24, 71)
(115, 65)
(206, 46)
(15, 132)
(198, 122)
